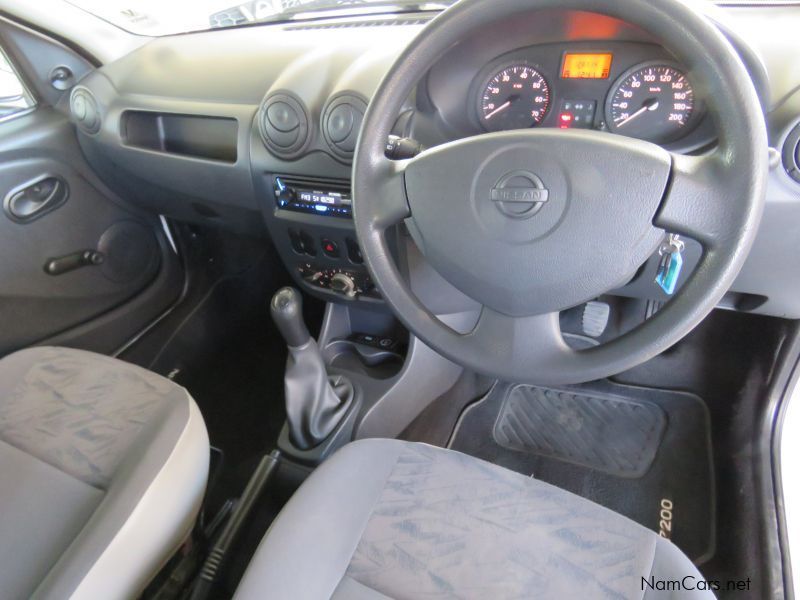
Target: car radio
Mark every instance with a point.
(328, 198)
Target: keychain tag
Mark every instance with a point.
(669, 269)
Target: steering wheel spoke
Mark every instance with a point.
(698, 201)
(519, 342)
(389, 200)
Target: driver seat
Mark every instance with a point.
(390, 519)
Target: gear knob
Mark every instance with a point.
(286, 309)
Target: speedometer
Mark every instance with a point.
(515, 98)
(652, 102)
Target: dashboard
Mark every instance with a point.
(254, 129)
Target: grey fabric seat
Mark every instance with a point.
(389, 519)
(102, 469)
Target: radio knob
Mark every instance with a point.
(286, 197)
(342, 283)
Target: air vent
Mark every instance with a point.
(351, 24)
(283, 123)
(341, 123)
(791, 153)
(84, 110)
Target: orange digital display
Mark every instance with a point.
(586, 66)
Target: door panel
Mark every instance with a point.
(79, 266)
(70, 262)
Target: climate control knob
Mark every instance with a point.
(342, 283)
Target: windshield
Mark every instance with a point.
(165, 17)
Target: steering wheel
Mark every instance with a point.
(602, 205)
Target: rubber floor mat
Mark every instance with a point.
(600, 431)
(644, 453)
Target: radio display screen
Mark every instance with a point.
(319, 198)
(334, 203)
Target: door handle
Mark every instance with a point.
(34, 199)
(76, 260)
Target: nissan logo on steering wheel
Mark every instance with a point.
(519, 194)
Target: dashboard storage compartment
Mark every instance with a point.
(212, 138)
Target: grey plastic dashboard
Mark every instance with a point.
(180, 121)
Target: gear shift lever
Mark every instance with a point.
(287, 313)
(315, 403)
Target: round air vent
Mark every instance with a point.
(84, 109)
(341, 123)
(791, 153)
(284, 125)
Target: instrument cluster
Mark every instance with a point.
(627, 88)
(653, 100)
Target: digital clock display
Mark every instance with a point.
(586, 66)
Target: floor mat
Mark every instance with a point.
(611, 434)
(644, 453)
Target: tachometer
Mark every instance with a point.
(652, 102)
(515, 98)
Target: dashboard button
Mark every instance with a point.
(354, 252)
(308, 244)
(297, 243)
(330, 248)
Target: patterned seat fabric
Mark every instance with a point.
(389, 519)
(80, 413)
(102, 469)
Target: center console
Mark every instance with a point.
(306, 203)
(311, 223)
(393, 375)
